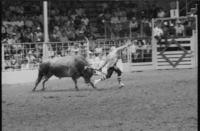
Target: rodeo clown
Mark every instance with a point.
(111, 65)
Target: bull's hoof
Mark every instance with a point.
(121, 86)
(95, 87)
(43, 89)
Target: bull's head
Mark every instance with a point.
(88, 72)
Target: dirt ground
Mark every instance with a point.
(161, 100)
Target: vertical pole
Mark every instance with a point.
(130, 30)
(141, 29)
(45, 15)
(105, 32)
(186, 7)
(45, 23)
(196, 41)
(177, 6)
(2, 55)
(154, 47)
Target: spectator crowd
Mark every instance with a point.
(22, 22)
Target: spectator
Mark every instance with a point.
(13, 63)
(28, 23)
(134, 25)
(38, 35)
(158, 32)
(56, 34)
(179, 29)
(3, 32)
(11, 39)
(64, 37)
(31, 59)
(114, 19)
(28, 35)
(161, 13)
(188, 29)
(85, 20)
(172, 31)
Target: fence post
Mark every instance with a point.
(2, 55)
(154, 47)
(130, 33)
(196, 41)
(45, 51)
(87, 49)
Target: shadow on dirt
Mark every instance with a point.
(74, 90)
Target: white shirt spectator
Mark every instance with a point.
(157, 31)
(11, 41)
(161, 14)
(179, 29)
(133, 48)
(85, 20)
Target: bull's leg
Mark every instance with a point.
(38, 81)
(92, 85)
(75, 83)
(45, 80)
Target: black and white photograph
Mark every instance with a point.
(99, 65)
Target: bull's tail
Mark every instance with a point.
(43, 69)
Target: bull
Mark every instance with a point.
(68, 66)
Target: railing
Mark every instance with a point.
(141, 51)
(22, 56)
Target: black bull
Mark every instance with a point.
(69, 66)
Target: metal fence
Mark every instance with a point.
(21, 56)
(28, 55)
(141, 51)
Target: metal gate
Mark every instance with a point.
(175, 51)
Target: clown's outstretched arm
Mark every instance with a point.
(129, 43)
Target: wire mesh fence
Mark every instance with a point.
(22, 56)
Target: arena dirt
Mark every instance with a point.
(151, 101)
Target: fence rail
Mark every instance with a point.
(22, 56)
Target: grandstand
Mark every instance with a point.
(104, 23)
